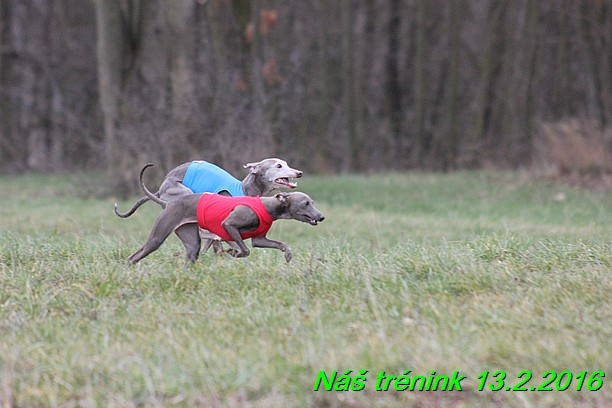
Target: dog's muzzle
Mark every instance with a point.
(313, 221)
(285, 181)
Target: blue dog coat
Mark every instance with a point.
(204, 177)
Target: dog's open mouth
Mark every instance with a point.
(285, 181)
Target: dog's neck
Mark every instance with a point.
(276, 210)
(252, 185)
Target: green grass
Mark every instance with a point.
(467, 272)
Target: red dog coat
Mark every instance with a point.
(213, 209)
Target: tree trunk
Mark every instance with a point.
(136, 85)
(503, 107)
(564, 83)
(490, 70)
(452, 94)
(530, 45)
(324, 84)
(246, 20)
(180, 19)
(112, 45)
(8, 149)
(598, 68)
(421, 142)
(393, 85)
(348, 86)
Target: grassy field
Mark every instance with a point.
(467, 272)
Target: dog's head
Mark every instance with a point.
(275, 173)
(300, 207)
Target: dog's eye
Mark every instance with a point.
(307, 204)
(278, 166)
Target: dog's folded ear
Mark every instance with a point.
(253, 167)
(283, 198)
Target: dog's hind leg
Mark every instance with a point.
(163, 227)
(190, 237)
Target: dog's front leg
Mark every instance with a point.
(263, 242)
(233, 232)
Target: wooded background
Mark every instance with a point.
(330, 86)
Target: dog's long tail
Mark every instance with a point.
(140, 202)
(149, 194)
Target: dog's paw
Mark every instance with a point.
(231, 252)
(288, 254)
(217, 247)
(236, 253)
